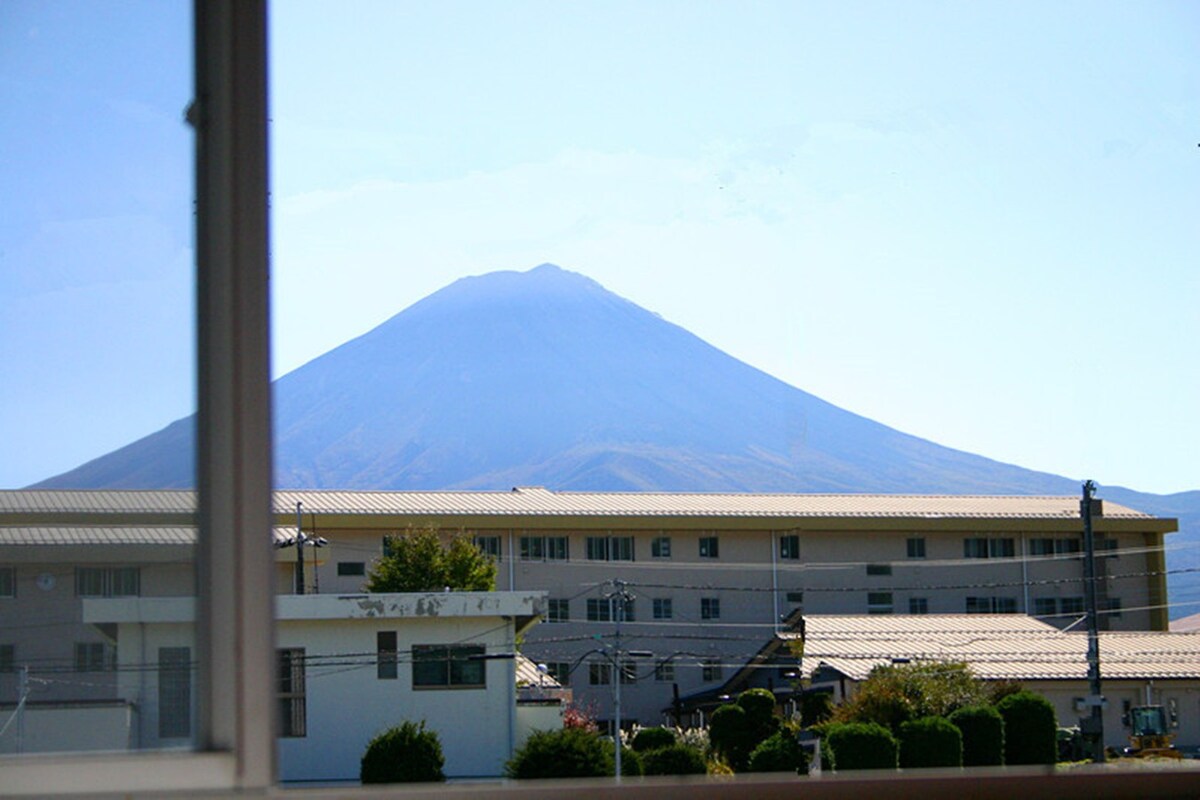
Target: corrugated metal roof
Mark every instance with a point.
(71, 501)
(59, 535)
(1003, 646)
(537, 501)
(534, 501)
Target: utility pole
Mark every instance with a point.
(1093, 726)
(300, 542)
(299, 550)
(618, 598)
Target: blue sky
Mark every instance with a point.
(975, 222)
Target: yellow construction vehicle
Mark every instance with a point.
(1149, 737)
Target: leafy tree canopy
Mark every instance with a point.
(422, 560)
(896, 693)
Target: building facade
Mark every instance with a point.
(705, 579)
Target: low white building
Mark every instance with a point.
(350, 666)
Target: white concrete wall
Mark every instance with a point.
(537, 717)
(68, 728)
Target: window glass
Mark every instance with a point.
(660, 547)
(385, 658)
(789, 547)
(293, 693)
(916, 547)
(174, 692)
(709, 547)
(97, 342)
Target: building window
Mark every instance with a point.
(709, 547)
(560, 671)
(1071, 605)
(544, 548)
(795, 597)
(1045, 607)
(94, 657)
(710, 608)
(439, 665)
(8, 658)
(628, 673)
(293, 698)
(599, 609)
(351, 568)
(489, 546)
(174, 692)
(1047, 546)
(879, 602)
(916, 547)
(599, 674)
(8, 582)
(1112, 607)
(558, 610)
(385, 656)
(610, 548)
(879, 569)
(710, 670)
(662, 608)
(627, 614)
(533, 548)
(664, 672)
(982, 547)
(991, 605)
(789, 547)
(918, 605)
(557, 548)
(107, 582)
(660, 547)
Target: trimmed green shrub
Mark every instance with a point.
(406, 753)
(565, 753)
(1030, 729)
(860, 745)
(759, 705)
(729, 734)
(653, 739)
(779, 752)
(631, 763)
(675, 759)
(982, 735)
(930, 742)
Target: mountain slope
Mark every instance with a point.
(544, 377)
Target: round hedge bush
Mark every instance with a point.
(675, 759)
(860, 745)
(779, 752)
(982, 735)
(653, 739)
(1030, 729)
(406, 753)
(930, 742)
(565, 753)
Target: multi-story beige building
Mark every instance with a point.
(708, 578)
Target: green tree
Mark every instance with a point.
(420, 560)
(897, 693)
